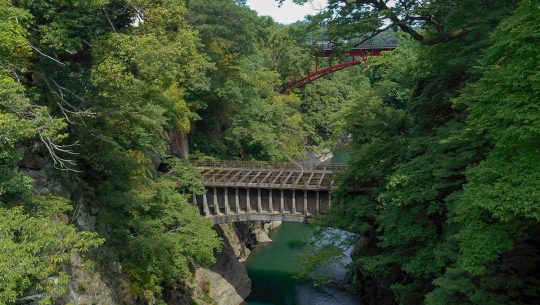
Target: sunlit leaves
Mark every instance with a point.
(168, 235)
(33, 252)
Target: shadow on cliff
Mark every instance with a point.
(230, 269)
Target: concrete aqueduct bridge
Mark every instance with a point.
(240, 191)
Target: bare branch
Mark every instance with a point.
(109, 20)
(372, 35)
(49, 57)
(33, 297)
(441, 37)
(53, 149)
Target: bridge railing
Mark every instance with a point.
(365, 45)
(268, 165)
(384, 45)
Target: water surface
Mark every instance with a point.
(341, 154)
(272, 269)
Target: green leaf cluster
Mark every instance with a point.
(112, 77)
(243, 117)
(442, 186)
(36, 239)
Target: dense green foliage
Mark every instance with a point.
(103, 89)
(35, 237)
(443, 183)
(244, 117)
(443, 180)
(93, 73)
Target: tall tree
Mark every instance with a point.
(428, 22)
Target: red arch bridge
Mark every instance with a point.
(351, 58)
(249, 191)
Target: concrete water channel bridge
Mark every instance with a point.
(249, 191)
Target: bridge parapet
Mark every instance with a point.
(268, 165)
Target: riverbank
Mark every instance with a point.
(226, 282)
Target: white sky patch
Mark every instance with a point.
(288, 12)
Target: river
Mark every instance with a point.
(272, 269)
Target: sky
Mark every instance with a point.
(289, 12)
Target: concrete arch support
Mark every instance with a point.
(226, 204)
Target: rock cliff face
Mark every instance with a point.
(227, 282)
(98, 277)
(261, 229)
(242, 237)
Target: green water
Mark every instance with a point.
(272, 269)
(341, 154)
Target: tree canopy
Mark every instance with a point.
(442, 188)
(443, 178)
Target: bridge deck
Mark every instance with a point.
(292, 176)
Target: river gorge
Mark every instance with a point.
(273, 270)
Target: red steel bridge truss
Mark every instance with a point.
(353, 57)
